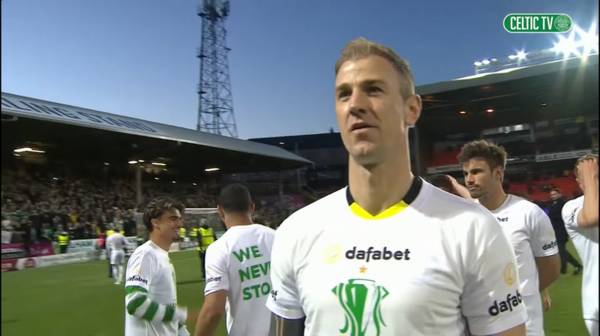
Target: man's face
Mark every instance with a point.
(168, 224)
(480, 178)
(371, 112)
(554, 195)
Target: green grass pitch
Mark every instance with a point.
(80, 299)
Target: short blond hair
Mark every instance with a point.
(361, 48)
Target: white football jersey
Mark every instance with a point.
(116, 241)
(429, 265)
(586, 244)
(531, 234)
(150, 269)
(239, 262)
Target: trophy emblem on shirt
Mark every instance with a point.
(361, 302)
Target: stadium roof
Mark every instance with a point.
(560, 89)
(66, 131)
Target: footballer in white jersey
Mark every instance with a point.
(531, 234)
(435, 265)
(240, 263)
(389, 254)
(237, 269)
(117, 243)
(580, 216)
(526, 225)
(150, 286)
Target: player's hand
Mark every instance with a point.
(459, 189)
(182, 331)
(588, 171)
(546, 300)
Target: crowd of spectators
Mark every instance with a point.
(35, 207)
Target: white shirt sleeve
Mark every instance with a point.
(217, 270)
(491, 301)
(284, 299)
(140, 270)
(570, 213)
(543, 239)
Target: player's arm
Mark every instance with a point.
(544, 248)
(137, 301)
(215, 291)
(284, 327)
(139, 305)
(588, 173)
(211, 313)
(548, 270)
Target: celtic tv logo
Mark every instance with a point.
(537, 23)
(361, 301)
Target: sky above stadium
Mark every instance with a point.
(138, 57)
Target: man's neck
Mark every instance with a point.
(237, 220)
(379, 187)
(493, 200)
(161, 242)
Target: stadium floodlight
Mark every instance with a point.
(173, 181)
(132, 162)
(141, 161)
(566, 46)
(159, 164)
(106, 164)
(494, 59)
(281, 143)
(588, 40)
(521, 55)
(512, 57)
(195, 184)
(490, 110)
(462, 112)
(485, 61)
(477, 63)
(28, 149)
(212, 169)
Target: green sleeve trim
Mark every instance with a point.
(169, 312)
(134, 304)
(132, 289)
(151, 311)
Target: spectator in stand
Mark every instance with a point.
(555, 214)
(63, 241)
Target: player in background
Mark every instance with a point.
(117, 244)
(355, 262)
(237, 269)
(151, 293)
(581, 220)
(562, 237)
(206, 236)
(526, 225)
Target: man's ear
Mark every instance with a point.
(499, 173)
(221, 212)
(413, 110)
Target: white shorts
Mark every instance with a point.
(117, 257)
(535, 315)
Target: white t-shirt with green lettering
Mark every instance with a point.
(239, 262)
